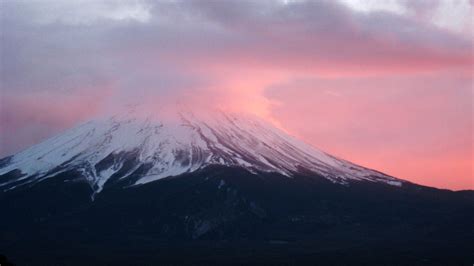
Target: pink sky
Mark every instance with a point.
(420, 133)
(387, 86)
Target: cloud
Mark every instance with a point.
(202, 38)
(325, 37)
(69, 54)
(78, 12)
(445, 14)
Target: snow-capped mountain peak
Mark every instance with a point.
(158, 145)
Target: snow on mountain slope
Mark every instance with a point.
(155, 147)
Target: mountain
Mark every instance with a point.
(199, 187)
(140, 149)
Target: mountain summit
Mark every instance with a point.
(143, 148)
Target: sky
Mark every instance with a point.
(385, 84)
